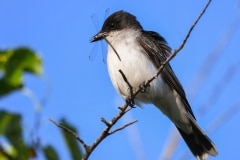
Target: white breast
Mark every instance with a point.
(135, 65)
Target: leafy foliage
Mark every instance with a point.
(13, 64)
(11, 129)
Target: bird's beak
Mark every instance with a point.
(98, 36)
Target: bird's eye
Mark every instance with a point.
(112, 25)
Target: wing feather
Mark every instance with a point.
(156, 48)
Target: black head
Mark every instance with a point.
(117, 21)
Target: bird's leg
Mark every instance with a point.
(143, 87)
(130, 102)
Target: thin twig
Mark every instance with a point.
(86, 147)
(126, 80)
(193, 26)
(106, 132)
(130, 99)
(181, 46)
(105, 122)
(113, 49)
(124, 126)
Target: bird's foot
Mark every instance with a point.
(143, 87)
(130, 102)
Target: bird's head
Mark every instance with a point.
(118, 21)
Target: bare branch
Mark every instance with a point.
(86, 147)
(106, 131)
(105, 122)
(176, 50)
(126, 80)
(124, 126)
(130, 99)
(193, 26)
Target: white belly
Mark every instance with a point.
(136, 67)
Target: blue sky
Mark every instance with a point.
(80, 90)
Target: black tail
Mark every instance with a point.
(199, 143)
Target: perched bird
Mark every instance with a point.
(138, 54)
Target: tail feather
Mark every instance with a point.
(199, 143)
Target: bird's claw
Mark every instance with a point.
(143, 87)
(130, 102)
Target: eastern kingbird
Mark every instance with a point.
(138, 54)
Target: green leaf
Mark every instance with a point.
(10, 126)
(25, 59)
(9, 85)
(11, 129)
(13, 64)
(71, 141)
(50, 153)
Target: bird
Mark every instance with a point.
(138, 54)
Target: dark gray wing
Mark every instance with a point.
(156, 48)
